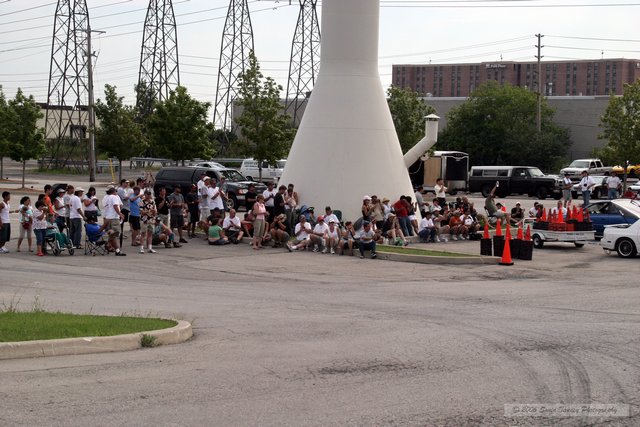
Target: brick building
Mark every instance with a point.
(562, 78)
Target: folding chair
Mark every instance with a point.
(94, 242)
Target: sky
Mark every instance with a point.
(411, 32)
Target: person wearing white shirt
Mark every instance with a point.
(559, 208)
(427, 229)
(567, 185)
(204, 200)
(232, 227)
(613, 184)
(214, 195)
(319, 235)
(269, 198)
(441, 191)
(302, 231)
(112, 214)
(586, 185)
(76, 216)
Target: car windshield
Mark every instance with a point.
(232, 175)
(579, 164)
(535, 172)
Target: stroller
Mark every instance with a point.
(57, 241)
(94, 242)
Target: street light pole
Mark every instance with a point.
(92, 119)
(539, 57)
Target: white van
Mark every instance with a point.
(270, 173)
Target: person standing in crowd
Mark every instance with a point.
(48, 189)
(192, 201)
(40, 225)
(291, 200)
(60, 210)
(147, 216)
(420, 199)
(614, 184)
(567, 185)
(250, 197)
(25, 219)
(367, 208)
(162, 205)
(177, 206)
(90, 204)
(269, 199)
(5, 222)
(76, 215)
(279, 204)
(134, 216)
(67, 205)
(441, 191)
(113, 215)
(260, 213)
(586, 185)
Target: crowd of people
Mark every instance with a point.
(273, 217)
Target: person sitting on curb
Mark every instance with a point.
(427, 229)
(278, 230)
(232, 227)
(333, 236)
(319, 236)
(301, 237)
(366, 240)
(216, 234)
(347, 239)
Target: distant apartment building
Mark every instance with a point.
(561, 78)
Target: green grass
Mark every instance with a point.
(40, 325)
(422, 252)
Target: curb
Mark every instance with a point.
(89, 345)
(440, 260)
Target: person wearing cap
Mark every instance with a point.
(112, 215)
(319, 235)
(76, 216)
(269, 199)
(302, 232)
(386, 208)
(330, 216)
(366, 240)
(203, 199)
(586, 185)
(567, 184)
(278, 231)
(333, 236)
(60, 210)
(367, 208)
(193, 204)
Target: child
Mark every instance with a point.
(26, 223)
(40, 225)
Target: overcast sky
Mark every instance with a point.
(416, 31)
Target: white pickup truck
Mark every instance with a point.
(593, 166)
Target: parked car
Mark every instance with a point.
(208, 164)
(236, 184)
(600, 190)
(514, 180)
(622, 238)
(270, 173)
(611, 212)
(633, 171)
(593, 166)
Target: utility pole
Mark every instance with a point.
(92, 119)
(539, 58)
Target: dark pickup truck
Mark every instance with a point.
(514, 180)
(236, 184)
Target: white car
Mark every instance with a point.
(208, 165)
(622, 238)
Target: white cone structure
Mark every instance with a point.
(346, 146)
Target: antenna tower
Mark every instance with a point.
(159, 67)
(305, 59)
(67, 117)
(237, 43)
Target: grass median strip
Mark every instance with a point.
(41, 325)
(422, 252)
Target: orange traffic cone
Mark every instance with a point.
(560, 217)
(485, 235)
(568, 214)
(580, 215)
(527, 235)
(575, 212)
(519, 235)
(498, 228)
(506, 252)
(544, 215)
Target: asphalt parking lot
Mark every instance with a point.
(311, 339)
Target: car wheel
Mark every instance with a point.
(232, 202)
(249, 178)
(537, 241)
(574, 195)
(578, 245)
(486, 190)
(626, 248)
(541, 193)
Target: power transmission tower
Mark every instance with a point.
(305, 59)
(67, 119)
(159, 66)
(237, 43)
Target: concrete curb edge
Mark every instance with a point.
(422, 259)
(88, 345)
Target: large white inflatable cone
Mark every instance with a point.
(346, 146)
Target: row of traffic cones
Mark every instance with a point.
(503, 246)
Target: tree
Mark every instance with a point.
(119, 135)
(145, 103)
(263, 124)
(178, 127)
(408, 112)
(6, 122)
(26, 140)
(621, 127)
(497, 125)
